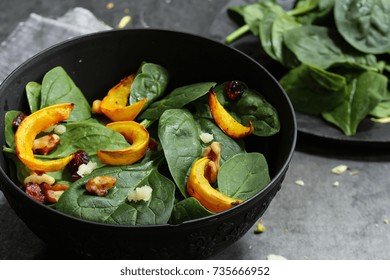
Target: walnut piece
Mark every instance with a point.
(100, 185)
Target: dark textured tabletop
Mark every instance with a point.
(316, 215)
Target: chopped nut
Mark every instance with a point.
(214, 153)
(385, 221)
(53, 193)
(39, 179)
(260, 228)
(300, 183)
(340, 169)
(100, 185)
(109, 6)
(46, 144)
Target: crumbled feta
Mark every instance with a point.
(340, 169)
(141, 193)
(49, 129)
(300, 183)
(60, 129)
(85, 169)
(124, 21)
(275, 257)
(206, 137)
(336, 184)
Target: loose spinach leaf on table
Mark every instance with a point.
(382, 110)
(179, 136)
(322, 47)
(364, 24)
(243, 175)
(364, 93)
(150, 82)
(251, 106)
(178, 98)
(271, 29)
(115, 208)
(58, 87)
(313, 90)
(321, 14)
(188, 209)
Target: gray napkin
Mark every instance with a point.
(38, 33)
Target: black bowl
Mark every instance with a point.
(96, 62)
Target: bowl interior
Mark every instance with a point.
(96, 62)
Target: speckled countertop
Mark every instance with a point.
(320, 219)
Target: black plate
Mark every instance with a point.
(369, 133)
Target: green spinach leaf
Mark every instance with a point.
(313, 90)
(243, 175)
(9, 132)
(179, 136)
(33, 91)
(150, 82)
(251, 106)
(178, 98)
(382, 110)
(188, 209)
(364, 24)
(364, 94)
(58, 87)
(89, 136)
(115, 208)
(229, 146)
(322, 47)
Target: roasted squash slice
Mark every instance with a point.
(225, 121)
(134, 133)
(199, 187)
(31, 126)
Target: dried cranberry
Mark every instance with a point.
(234, 90)
(34, 190)
(80, 157)
(18, 120)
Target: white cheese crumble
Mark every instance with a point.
(340, 169)
(274, 257)
(85, 169)
(60, 129)
(300, 183)
(141, 193)
(206, 137)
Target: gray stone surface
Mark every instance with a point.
(316, 221)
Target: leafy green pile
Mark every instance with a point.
(175, 121)
(336, 54)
